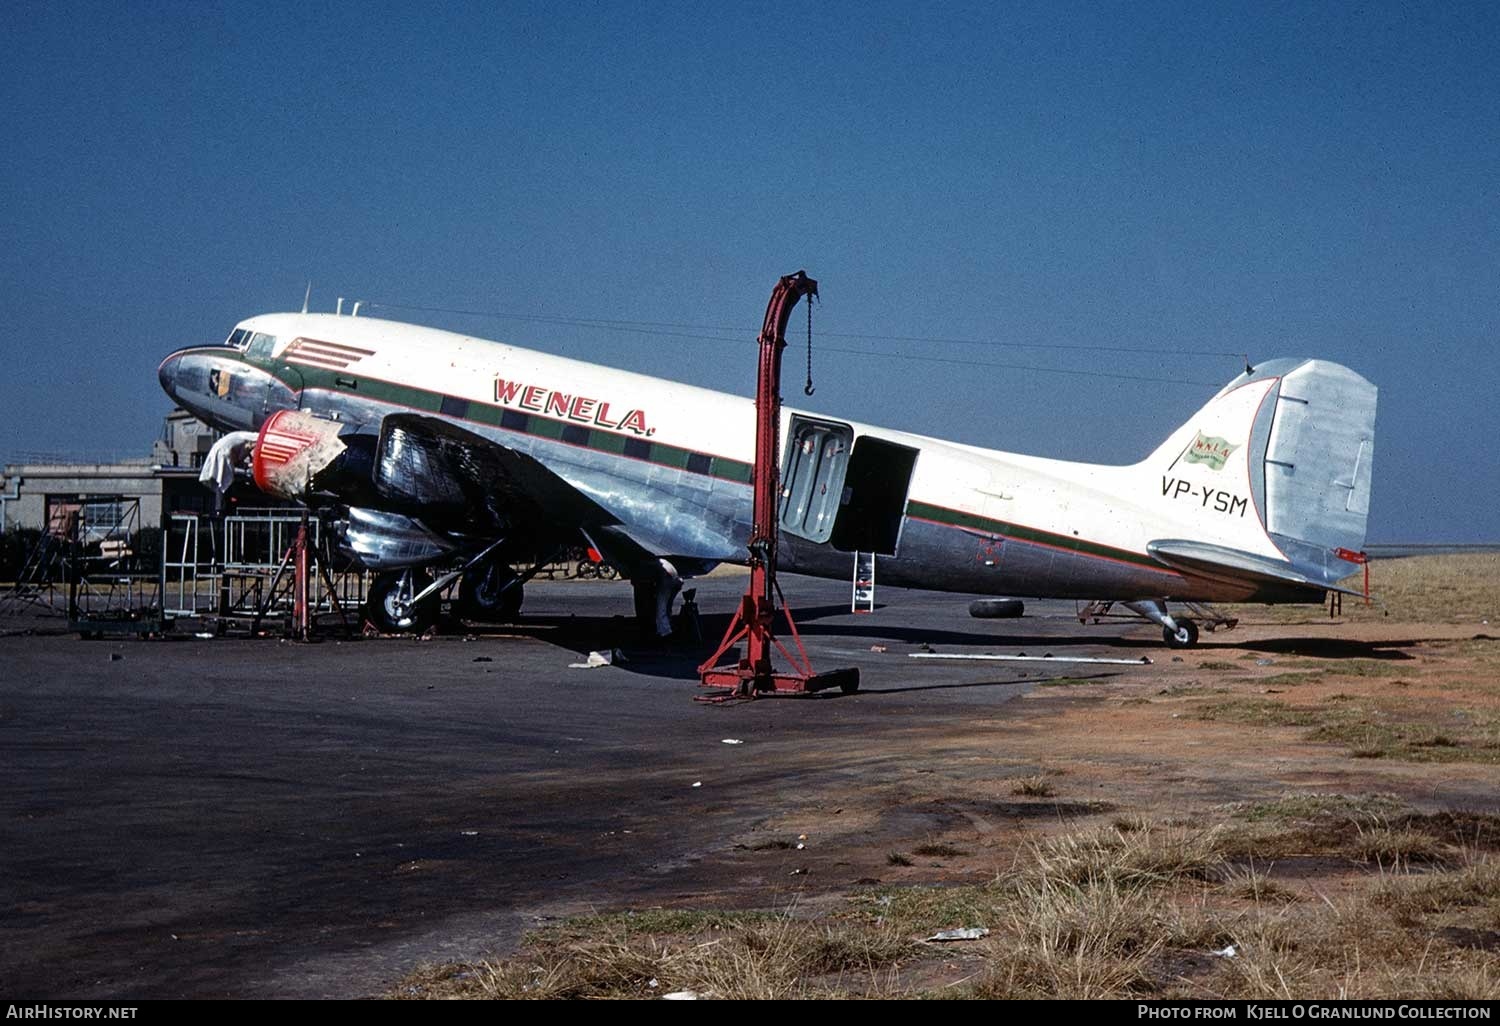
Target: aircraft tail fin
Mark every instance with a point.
(1277, 463)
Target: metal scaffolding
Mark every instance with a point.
(239, 571)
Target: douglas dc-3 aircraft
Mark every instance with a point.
(428, 449)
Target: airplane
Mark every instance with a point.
(437, 458)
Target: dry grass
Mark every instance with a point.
(1128, 911)
(1256, 885)
(939, 850)
(777, 958)
(1433, 589)
(1149, 853)
(1035, 786)
(1375, 726)
(1350, 950)
(1397, 846)
(1475, 885)
(1374, 830)
(1425, 589)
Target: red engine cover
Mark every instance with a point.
(292, 447)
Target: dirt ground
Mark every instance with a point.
(1299, 807)
(1303, 806)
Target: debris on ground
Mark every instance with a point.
(599, 658)
(967, 933)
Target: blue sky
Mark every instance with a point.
(1188, 179)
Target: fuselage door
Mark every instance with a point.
(812, 476)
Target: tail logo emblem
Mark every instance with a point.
(1211, 450)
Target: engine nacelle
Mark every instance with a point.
(378, 540)
(299, 456)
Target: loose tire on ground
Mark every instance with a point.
(996, 609)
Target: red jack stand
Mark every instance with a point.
(301, 609)
(754, 621)
(1359, 559)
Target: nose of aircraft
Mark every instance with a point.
(167, 374)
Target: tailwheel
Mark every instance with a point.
(1185, 636)
(390, 608)
(490, 593)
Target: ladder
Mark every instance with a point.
(863, 593)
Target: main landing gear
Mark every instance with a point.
(490, 593)
(409, 601)
(1176, 631)
(402, 602)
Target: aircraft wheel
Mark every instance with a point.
(1185, 636)
(483, 594)
(390, 615)
(996, 609)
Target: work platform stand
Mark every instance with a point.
(303, 568)
(754, 621)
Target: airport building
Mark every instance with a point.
(164, 482)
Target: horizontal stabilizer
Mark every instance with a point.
(1220, 561)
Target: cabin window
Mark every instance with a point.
(261, 346)
(237, 338)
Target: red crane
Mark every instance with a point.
(755, 620)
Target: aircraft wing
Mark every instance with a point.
(457, 481)
(431, 468)
(1220, 561)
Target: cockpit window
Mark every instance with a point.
(261, 346)
(237, 338)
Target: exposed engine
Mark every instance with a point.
(305, 458)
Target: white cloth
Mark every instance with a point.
(218, 465)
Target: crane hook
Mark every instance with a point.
(808, 389)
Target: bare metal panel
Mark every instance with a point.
(1320, 455)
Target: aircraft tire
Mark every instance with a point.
(1186, 635)
(380, 605)
(996, 609)
(480, 594)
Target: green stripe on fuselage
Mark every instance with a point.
(1018, 532)
(301, 378)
